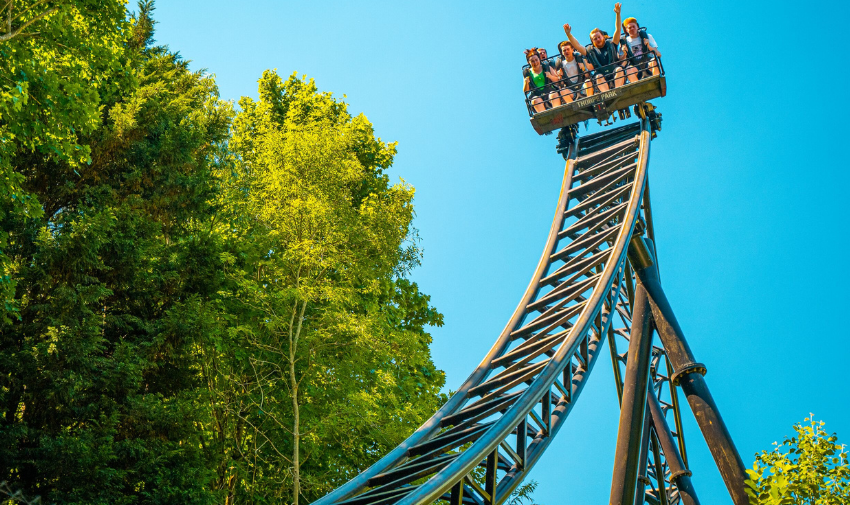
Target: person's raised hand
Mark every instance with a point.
(567, 29)
(617, 7)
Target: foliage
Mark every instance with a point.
(59, 62)
(523, 494)
(99, 398)
(809, 468)
(200, 306)
(323, 319)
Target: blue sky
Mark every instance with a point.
(749, 182)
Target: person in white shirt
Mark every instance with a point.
(574, 72)
(641, 50)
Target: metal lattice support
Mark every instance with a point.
(481, 444)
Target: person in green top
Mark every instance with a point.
(538, 83)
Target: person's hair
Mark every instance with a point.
(629, 20)
(562, 44)
(531, 52)
(594, 31)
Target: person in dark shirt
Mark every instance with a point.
(539, 83)
(603, 54)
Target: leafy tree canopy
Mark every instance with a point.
(810, 468)
(59, 61)
(320, 245)
(200, 306)
(98, 394)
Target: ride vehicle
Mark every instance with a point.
(600, 105)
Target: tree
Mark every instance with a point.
(36, 18)
(325, 365)
(810, 468)
(59, 61)
(99, 398)
(193, 313)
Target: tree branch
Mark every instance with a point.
(9, 35)
(31, 7)
(9, 16)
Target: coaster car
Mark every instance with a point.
(601, 105)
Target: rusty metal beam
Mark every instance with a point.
(679, 472)
(629, 434)
(688, 373)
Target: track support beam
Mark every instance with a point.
(457, 494)
(689, 375)
(679, 473)
(630, 432)
(491, 480)
(643, 479)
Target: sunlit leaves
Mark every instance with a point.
(99, 397)
(315, 225)
(59, 60)
(810, 468)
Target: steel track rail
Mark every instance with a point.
(556, 331)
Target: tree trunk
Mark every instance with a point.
(231, 490)
(296, 413)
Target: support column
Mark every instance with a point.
(457, 494)
(643, 463)
(630, 433)
(678, 471)
(689, 374)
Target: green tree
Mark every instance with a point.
(326, 363)
(59, 61)
(193, 313)
(99, 396)
(810, 468)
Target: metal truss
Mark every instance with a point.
(597, 279)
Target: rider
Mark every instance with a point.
(539, 82)
(574, 71)
(602, 54)
(543, 61)
(641, 50)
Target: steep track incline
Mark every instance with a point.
(480, 445)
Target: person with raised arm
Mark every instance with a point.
(603, 54)
(641, 51)
(539, 83)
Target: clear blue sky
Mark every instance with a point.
(749, 184)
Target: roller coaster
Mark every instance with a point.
(597, 280)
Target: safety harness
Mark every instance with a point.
(582, 69)
(593, 54)
(644, 39)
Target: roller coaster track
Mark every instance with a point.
(597, 279)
